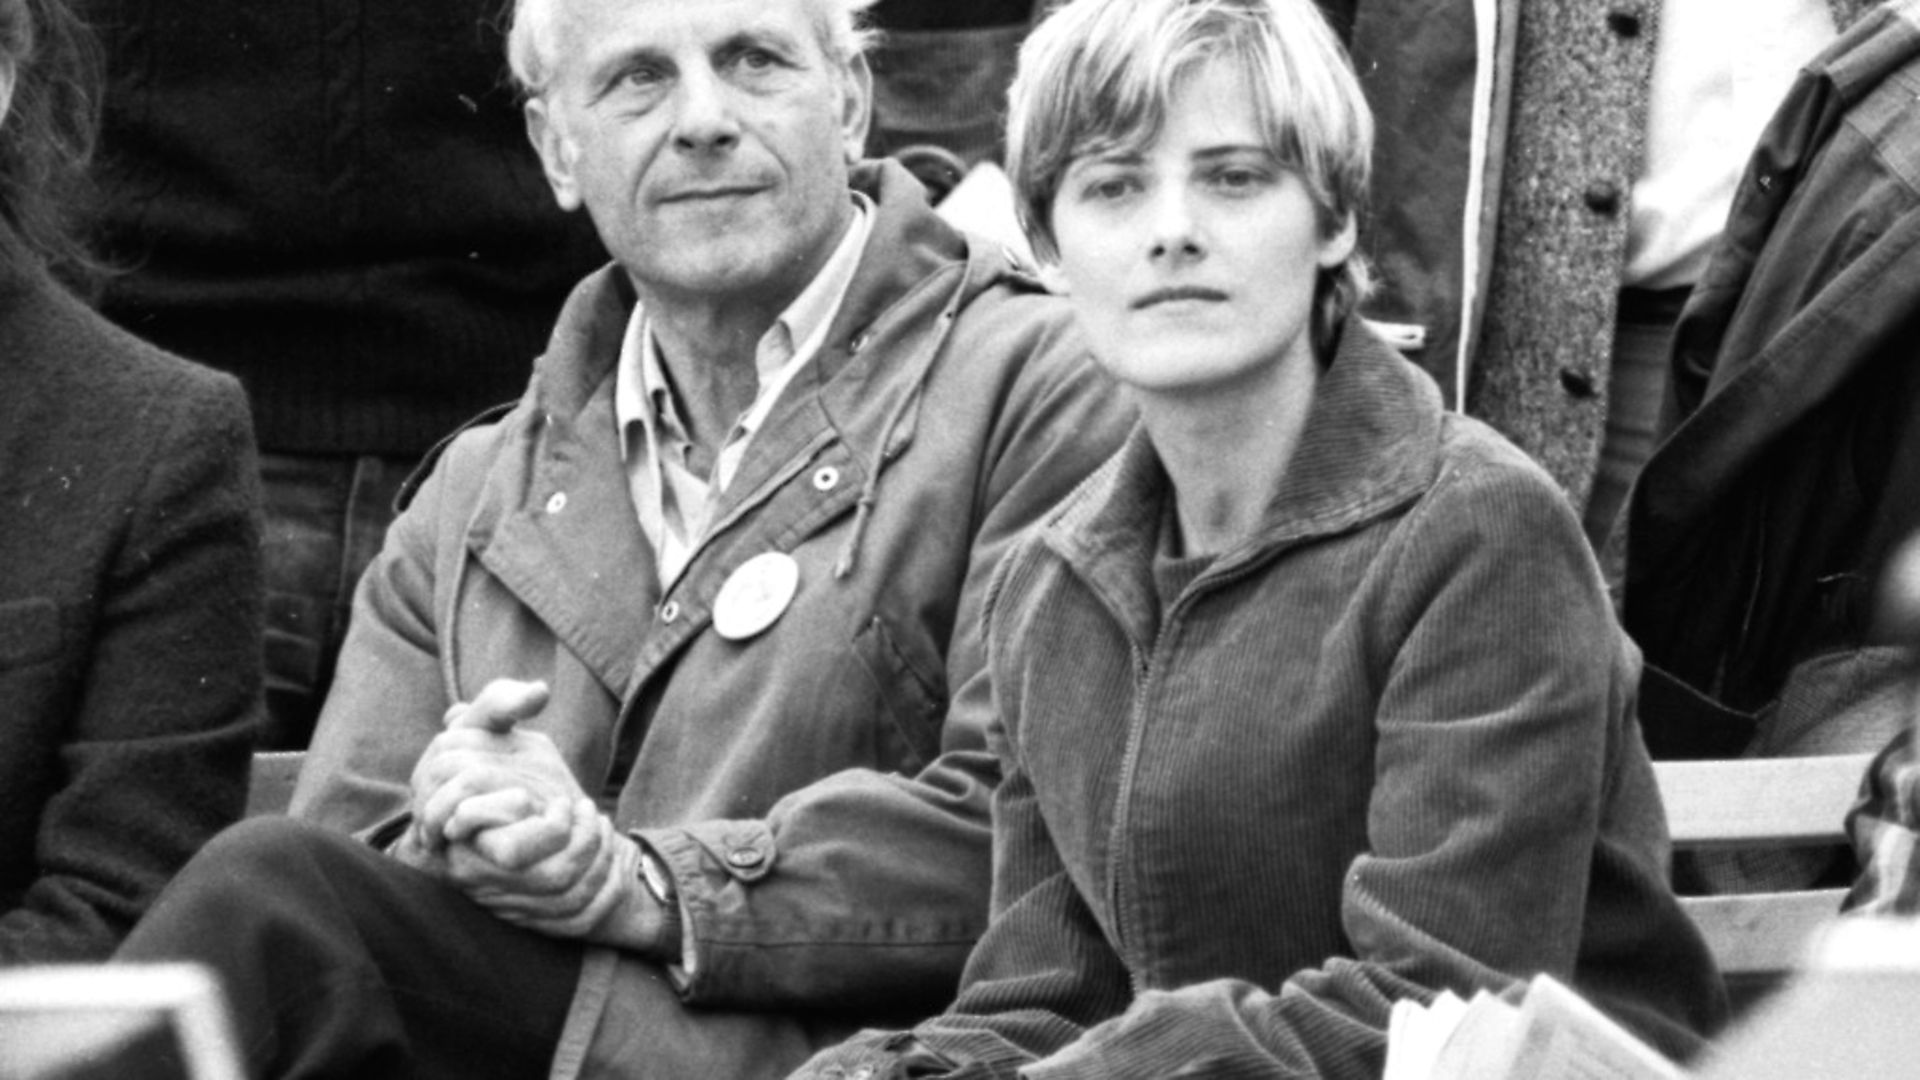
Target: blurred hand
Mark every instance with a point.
(1897, 608)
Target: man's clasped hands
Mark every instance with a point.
(498, 814)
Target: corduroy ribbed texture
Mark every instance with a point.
(1384, 748)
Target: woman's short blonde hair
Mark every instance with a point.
(1101, 74)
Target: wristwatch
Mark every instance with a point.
(658, 881)
(659, 885)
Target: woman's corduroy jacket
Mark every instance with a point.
(1385, 747)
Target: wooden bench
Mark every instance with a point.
(1758, 938)
(274, 773)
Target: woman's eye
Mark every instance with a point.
(1109, 188)
(1237, 179)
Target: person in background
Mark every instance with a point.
(1764, 522)
(940, 75)
(661, 717)
(129, 551)
(1311, 699)
(1884, 824)
(333, 202)
(1551, 177)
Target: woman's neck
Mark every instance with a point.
(1226, 452)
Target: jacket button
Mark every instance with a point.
(745, 857)
(1624, 21)
(1578, 382)
(826, 478)
(670, 611)
(556, 502)
(1602, 197)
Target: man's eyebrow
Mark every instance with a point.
(758, 37)
(603, 74)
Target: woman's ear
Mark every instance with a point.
(1338, 247)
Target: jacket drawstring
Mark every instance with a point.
(863, 509)
(908, 409)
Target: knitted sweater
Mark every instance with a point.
(337, 203)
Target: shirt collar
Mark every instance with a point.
(641, 391)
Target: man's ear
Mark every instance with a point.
(9, 70)
(856, 107)
(556, 150)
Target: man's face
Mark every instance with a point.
(708, 139)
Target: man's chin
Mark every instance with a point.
(705, 268)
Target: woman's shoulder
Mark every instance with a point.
(1488, 498)
(1476, 458)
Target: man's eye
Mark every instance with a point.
(643, 77)
(755, 60)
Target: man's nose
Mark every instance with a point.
(704, 120)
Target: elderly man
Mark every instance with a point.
(736, 539)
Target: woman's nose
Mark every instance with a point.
(1174, 232)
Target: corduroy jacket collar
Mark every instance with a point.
(1371, 444)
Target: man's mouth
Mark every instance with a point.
(711, 193)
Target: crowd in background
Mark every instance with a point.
(281, 472)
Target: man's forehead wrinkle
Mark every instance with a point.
(603, 47)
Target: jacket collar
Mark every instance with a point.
(857, 400)
(1371, 444)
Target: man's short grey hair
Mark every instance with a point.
(844, 34)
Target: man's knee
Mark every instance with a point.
(259, 871)
(267, 849)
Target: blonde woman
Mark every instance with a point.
(1311, 699)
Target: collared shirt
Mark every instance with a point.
(1720, 69)
(1884, 827)
(674, 502)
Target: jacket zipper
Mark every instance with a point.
(1143, 668)
(1118, 860)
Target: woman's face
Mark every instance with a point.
(1191, 261)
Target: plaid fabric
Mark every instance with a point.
(1884, 826)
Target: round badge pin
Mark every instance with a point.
(755, 595)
